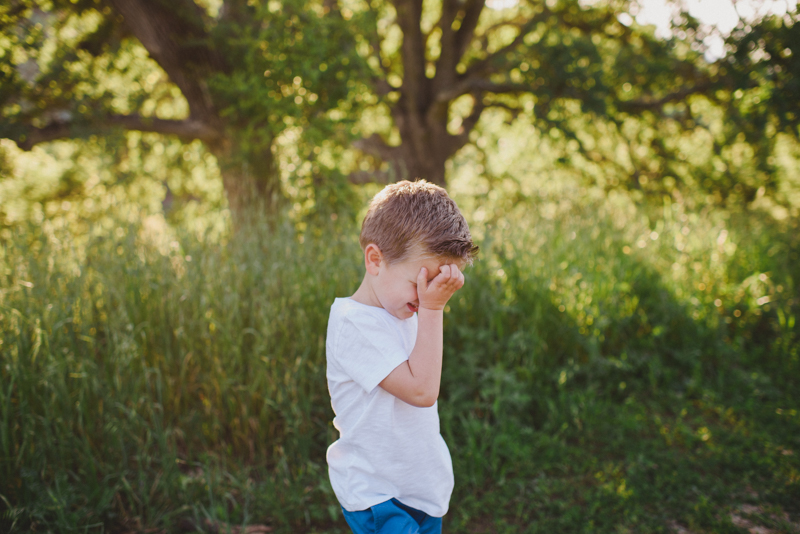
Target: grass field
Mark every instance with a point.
(605, 371)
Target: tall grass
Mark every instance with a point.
(152, 377)
(580, 330)
(126, 359)
(612, 301)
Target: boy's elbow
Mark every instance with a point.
(428, 402)
(417, 394)
(424, 399)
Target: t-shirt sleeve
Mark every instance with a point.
(368, 349)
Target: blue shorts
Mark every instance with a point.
(392, 517)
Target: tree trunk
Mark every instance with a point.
(421, 162)
(251, 182)
(426, 145)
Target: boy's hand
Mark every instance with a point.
(434, 295)
(417, 380)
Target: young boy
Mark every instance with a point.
(390, 467)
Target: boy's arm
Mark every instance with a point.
(417, 380)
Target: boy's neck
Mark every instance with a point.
(365, 294)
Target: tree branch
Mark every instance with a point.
(409, 14)
(371, 177)
(235, 11)
(468, 124)
(446, 64)
(480, 85)
(472, 12)
(174, 35)
(484, 37)
(514, 110)
(382, 86)
(484, 66)
(645, 104)
(186, 129)
(375, 146)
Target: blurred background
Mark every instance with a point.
(181, 190)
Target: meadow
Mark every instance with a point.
(608, 368)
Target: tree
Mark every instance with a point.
(763, 68)
(436, 67)
(235, 77)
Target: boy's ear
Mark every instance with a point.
(373, 257)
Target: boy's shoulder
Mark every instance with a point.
(365, 343)
(356, 318)
(348, 310)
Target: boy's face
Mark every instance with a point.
(395, 286)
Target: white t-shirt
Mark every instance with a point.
(386, 447)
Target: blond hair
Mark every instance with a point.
(416, 218)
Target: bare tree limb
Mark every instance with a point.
(645, 104)
(479, 85)
(235, 10)
(187, 129)
(370, 177)
(472, 13)
(448, 59)
(468, 124)
(382, 86)
(375, 146)
(409, 15)
(438, 24)
(484, 66)
(174, 37)
(514, 110)
(484, 37)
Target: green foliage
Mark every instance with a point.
(293, 67)
(50, 76)
(296, 69)
(95, 184)
(766, 61)
(286, 86)
(627, 103)
(235, 79)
